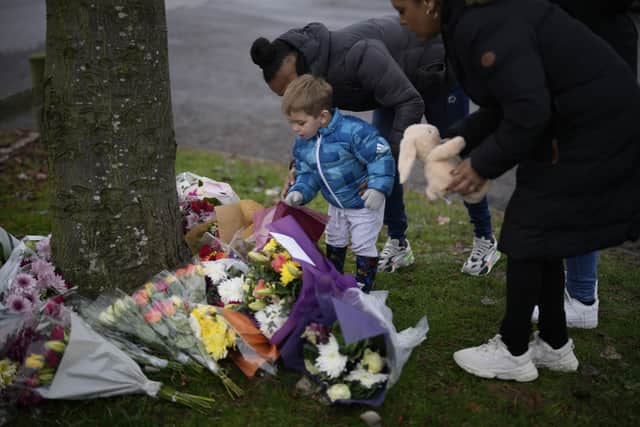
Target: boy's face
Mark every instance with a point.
(305, 125)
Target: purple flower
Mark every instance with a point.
(41, 268)
(58, 283)
(18, 303)
(23, 283)
(43, 248)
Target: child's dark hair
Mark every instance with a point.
(308, 94)
(269, 56)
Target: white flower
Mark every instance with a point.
(271, 318)
(215, 271)
(372, 361)
(330, 360)
(232, 290)
(364, 377)
(339, 391)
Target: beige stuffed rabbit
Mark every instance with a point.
(423, 141)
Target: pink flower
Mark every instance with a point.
(278, 261)
(152, 316)
(160, 286)
(57, 333)
(141, 297)
(41, 268)
(167, 307)
(52, 309)
(18, 303)
(24, 283)
(43, 248)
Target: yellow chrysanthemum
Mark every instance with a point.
(216, 336)
(270, 246)
(290, 271)
(34, 361)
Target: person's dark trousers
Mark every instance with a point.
(480, 218)
(531, 282)
(395, 216)
(337, 256)
(366, 268)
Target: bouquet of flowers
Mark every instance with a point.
(360, 355)
(167, 310)
(198, 196)
(63, 358)
(193, 280)
(355, 371)
(115, 316)
(270, 287)
(29, 279)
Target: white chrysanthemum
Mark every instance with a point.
(232, 290)
(330, 360)
(364, 377)
(271, 318)
(215, 271)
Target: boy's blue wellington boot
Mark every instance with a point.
(337, 256)
(366, 268)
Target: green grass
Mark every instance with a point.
(432, 389)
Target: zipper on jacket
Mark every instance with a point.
(326, 184)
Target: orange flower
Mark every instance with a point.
(168, 308)
(152, 316)
(278, 261)
(259, 287)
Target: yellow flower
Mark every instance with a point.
(216, 336)
(57, 346)
(34, 361)
(290, 271)
(8, 370)
(271, 246)
(149, 288)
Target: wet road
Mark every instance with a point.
(220, 101)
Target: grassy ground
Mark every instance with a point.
(462, 311)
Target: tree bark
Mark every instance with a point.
(108, 129)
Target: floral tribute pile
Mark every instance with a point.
(284, 301)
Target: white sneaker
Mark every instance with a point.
(493, 360)
(394, 256)
(484, 256)
(544, 356)
(578, 315)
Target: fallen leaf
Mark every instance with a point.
(443, 220)
(610, 353)
(474, 407)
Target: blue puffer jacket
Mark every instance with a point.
(346, 153)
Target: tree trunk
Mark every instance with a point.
(108, 129)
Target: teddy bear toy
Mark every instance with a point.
(423, 141)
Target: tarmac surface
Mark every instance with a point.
(220, 101)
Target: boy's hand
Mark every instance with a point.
(294, 198)
(373, 199)
(288, 182)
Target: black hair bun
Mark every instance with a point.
(262, 52)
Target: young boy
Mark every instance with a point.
(334, 154)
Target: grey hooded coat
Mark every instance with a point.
(375, 63)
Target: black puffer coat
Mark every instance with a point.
(374, 63)
(543, 79)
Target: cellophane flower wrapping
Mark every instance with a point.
(118, 315)
(166, 306)
(63, 358)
